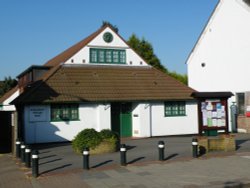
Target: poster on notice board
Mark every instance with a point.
(213, 113)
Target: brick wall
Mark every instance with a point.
(244, 123)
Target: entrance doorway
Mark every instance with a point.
(5, 132)
(121, 119)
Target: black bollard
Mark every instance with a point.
(18, 149)
(35, 163)
(85, 154)
(195, 147)
(161, 146)
(123, 151)
(27, 157)
(22, 152)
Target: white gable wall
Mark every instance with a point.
(82, 57)
(224, 48)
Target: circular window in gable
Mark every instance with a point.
(108, 37)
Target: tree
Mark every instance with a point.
(146, 51)
(181, 77)
(7, 84)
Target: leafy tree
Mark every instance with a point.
(146, 51)
(181, 77)
(114, 27)
(7, 84)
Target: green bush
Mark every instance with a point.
(86, 138)
(108, 134)
(97, 141)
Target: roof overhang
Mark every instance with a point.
(199, 95)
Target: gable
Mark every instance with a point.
(227, 24)
(224, 45)
(117, 44)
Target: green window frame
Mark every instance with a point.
(64, 112)
(107, 56)
(175, 108)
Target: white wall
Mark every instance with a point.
(147, 120)
(151, 120)
(141, 125)
(162, 125)
(98, 42)
(224, 48)
(91, 116)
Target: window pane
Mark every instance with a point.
(101, 56)
(175, 108)
(122, 57)
(108, 56)
(64, 112)
(115, 56)
(93, 56)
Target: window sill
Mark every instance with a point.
(176, 116)
(99, 63)
(64, 120)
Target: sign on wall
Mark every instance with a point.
(37, 113)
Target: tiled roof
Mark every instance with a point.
(62, 57)
(65, 55)
(8, 94)
(105, 83)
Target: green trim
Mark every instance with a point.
(107, 56)
(174, 108)
(64, 112)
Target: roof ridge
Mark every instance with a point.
(69, 52)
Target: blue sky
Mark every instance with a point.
(32, 32)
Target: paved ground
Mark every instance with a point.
(59, 167)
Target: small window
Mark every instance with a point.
(175, 108)
(64, 112)
(241, 103)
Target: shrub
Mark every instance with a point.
(108, 134)
(86, 138)
(98, 142)
(111, 137)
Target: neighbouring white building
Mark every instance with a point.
(101, 83)
(220, 59)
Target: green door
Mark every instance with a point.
(121, 119)
(126, 120)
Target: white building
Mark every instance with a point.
(220, 59)
(101, 83)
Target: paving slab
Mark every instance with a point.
(60, 167)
